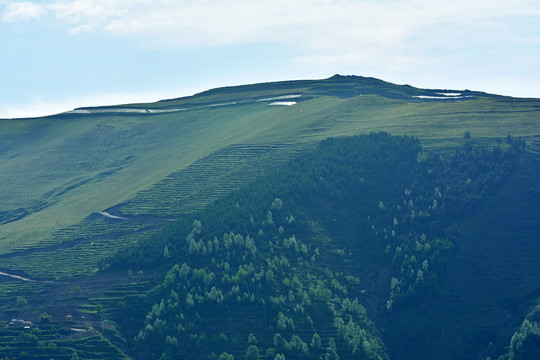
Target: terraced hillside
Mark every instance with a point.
(210, 178)
(77, 249)
(80, 186)
(56, 171)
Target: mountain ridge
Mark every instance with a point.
(353, 86)
(79, 187)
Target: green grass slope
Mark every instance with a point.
(56, 171)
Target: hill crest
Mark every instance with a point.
(342, 86)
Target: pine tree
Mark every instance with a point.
(252, 353)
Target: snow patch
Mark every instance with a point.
(282, 97)
(141, 111)
(123, 110)
(16, 277)
(154, 111)
(107, 215)
(283, 103)
(99, 111)
(428, 97)
(449, 94)
(223, 104)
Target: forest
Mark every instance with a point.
(300, 263)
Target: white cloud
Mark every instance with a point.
(331, 30)
(325, 32)
(22, 11)
(315, 21)
(414, 41)
(89, 12)
(82, 29)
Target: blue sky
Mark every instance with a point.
(56, 55)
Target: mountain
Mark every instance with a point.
(138, 180)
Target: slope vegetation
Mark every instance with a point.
(81, 186)
(58, 170)
(366, 228)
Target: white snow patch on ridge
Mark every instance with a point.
(121, 110)
(283, 103)
(117, 110)
(282, 97)
(142, 111)
(441, 97)
(164, 111)
(433, 97)
(222, 104)
(449, 94)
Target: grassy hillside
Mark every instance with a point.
(56, 171)
(82, 185)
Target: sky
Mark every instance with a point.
(56, 55)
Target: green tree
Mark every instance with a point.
(270, 353)
(225, 356)
(189, 300)
(44, 317)
(277, 204)
(21, 301)
(171, 341)
(331, 355)
(316, 342)
(331, 345)
(222, 339)
(269, 275)
(252, 353)
(269, 218)
(278, 341)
